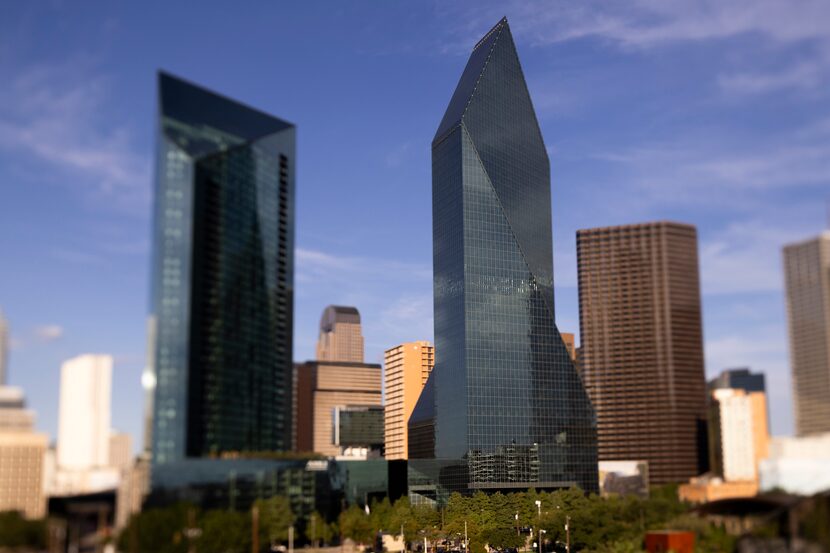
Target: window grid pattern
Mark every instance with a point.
(222, 290)
(642, 345)
(509, 402)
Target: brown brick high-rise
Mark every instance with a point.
(642, 345)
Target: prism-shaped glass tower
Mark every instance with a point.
(222, 284)
(508, 401)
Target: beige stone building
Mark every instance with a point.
(22, 452)
(407, 367)
(120, 450)
(21, 472)
(807, 279)
(341, 336)
(641, 355)
(132, 490)
(324, 385)
(738, 431)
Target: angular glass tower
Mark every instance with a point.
(508, 401)
(222, 283)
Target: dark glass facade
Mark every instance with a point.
(358, 426)
(222, 281)
(509, 404)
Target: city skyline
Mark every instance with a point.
(97, 242)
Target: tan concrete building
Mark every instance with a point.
(121, 450)
(341, 336)
(324, 385)
(22, 452)
(407, 367)
(707, 488)
(807, 279)
(132, 490)
(738, 433)
(21, 472)
(570, 343)
(641, 355)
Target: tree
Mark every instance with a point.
(380, 515)
(158, 530)
(355, 525)
(275, 517)
(502, 537)
(225, 532)
(317, 529)
(16, 531)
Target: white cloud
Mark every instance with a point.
(314, 265)
(48, 333)
(716, 169)
(410, 316)
(37, 336)
(54, 114)
(394, 298)
(639, 25)
(745, 257)
(808, 75)
(645, 23)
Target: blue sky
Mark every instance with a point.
(712, 113)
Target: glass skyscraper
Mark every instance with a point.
(509, 404)
(222, 284)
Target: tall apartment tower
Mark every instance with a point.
(85, 412)
(738, 433)
(223, 272)
(509, 405)
(642, 345)
(807, 278)
(4, 349)
(406, 369)
(341, 336)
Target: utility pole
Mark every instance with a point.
(538, 524)
(291, 539)
(254, 528)
(466, 540)
(568, 533)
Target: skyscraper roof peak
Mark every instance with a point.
(469, 80)
(201, 121)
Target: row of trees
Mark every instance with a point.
(497, 521)
(510, 521)
(17, 532)
(182, 527)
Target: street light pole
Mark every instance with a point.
(538, 522)
(567, 534)
(466, 540)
